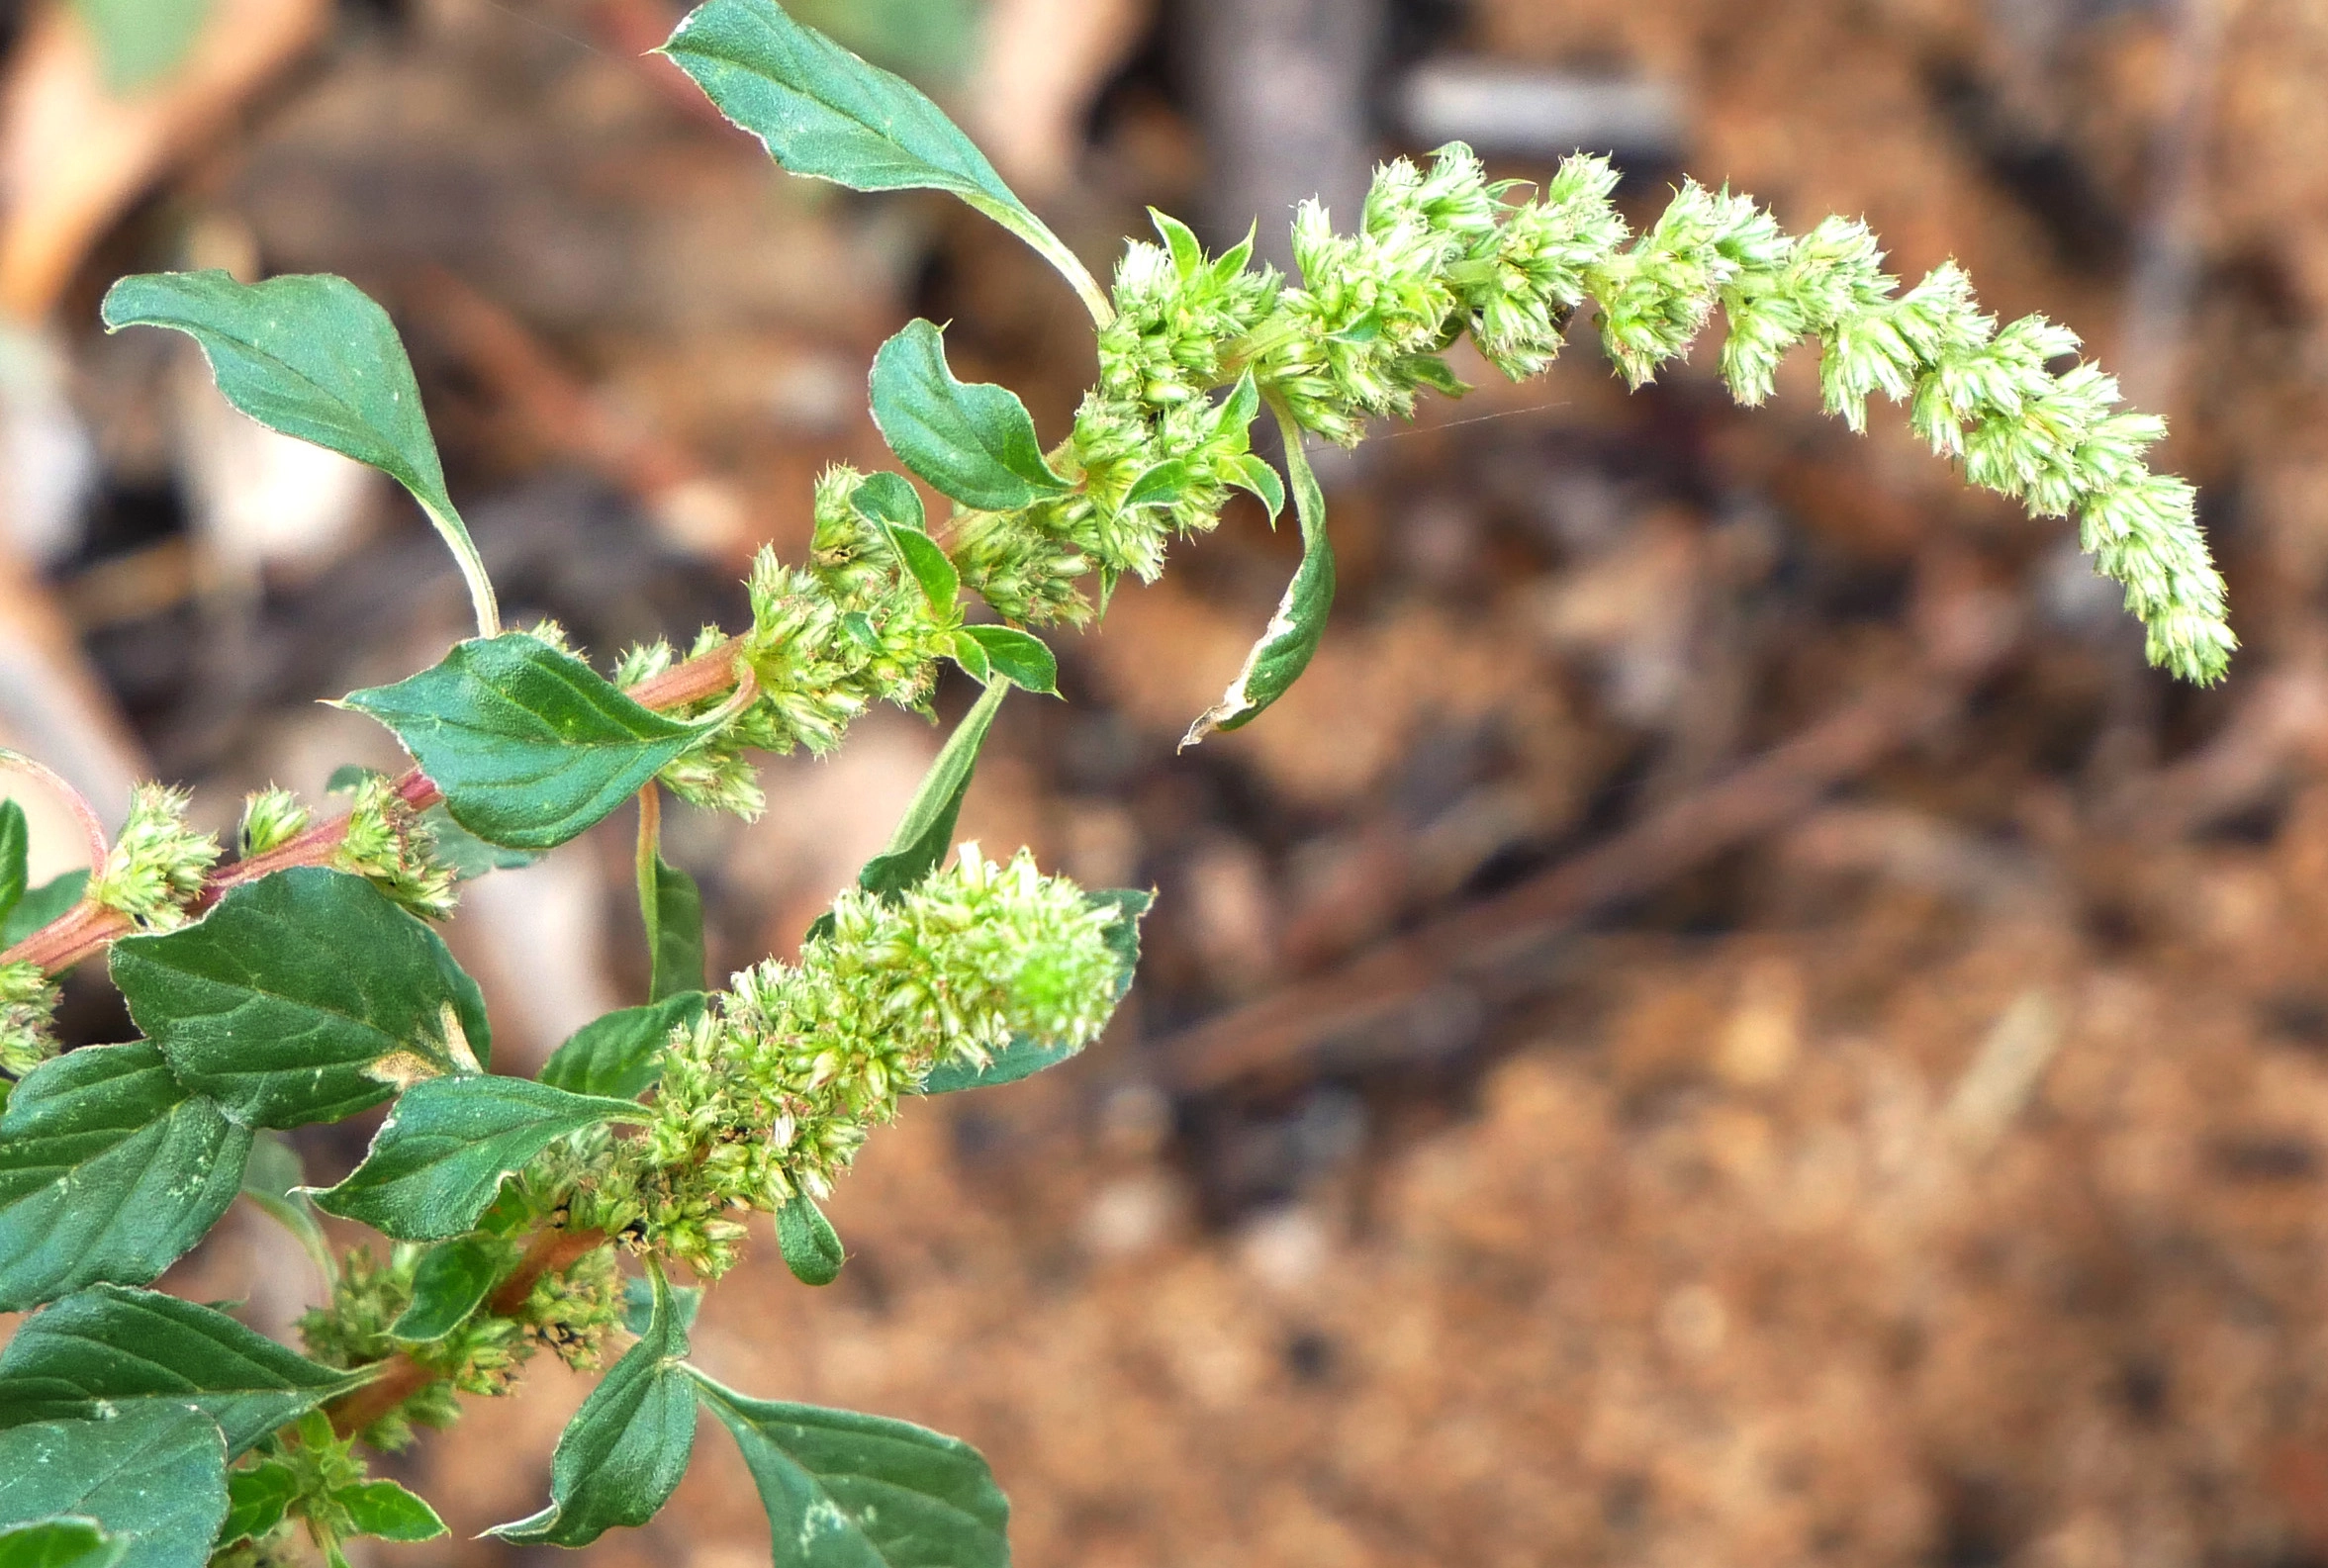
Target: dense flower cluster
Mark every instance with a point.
(384, 841)
(28, 1002)
(158, 862)
(770, 1094)
(853, 627)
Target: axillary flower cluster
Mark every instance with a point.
(771, 1092)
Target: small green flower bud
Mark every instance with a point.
(157, 863)
(271, 818)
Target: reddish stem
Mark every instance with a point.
(552, 1251)
(65, 942)
(707, 674)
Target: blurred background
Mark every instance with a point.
(1727, 1020)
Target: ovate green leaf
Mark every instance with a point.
(845, 1490)
(156, 1475)
(51, 900)
(639, 1303)
(673, 906)
(109, 1349)
(451, 1280)
(1019, 657)
(973, 442)
(1159, 484)
(529, 744)
(257, 1500)
(940, 582)
(439, 1161)
(387, 1511)
(66, 1541)
(314, 358)
(823, 113)
(927, 831)
(1294, 631)
(970, 654)
(811, 1246)
(109, 1170)
(622, 1054)
(1252, 472)
(890, 501)
(15, 846)
(304, 996)
(626, 1449)
(1023, 1057)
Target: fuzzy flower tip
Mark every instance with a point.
(156, 866)
(772, 1093)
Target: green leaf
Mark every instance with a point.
(1131, 905)
(973, 442)
(1023, 1057)
(823, 113)
(451, 1280)
(675, 933)
(1434, 373)
(111, 1349)
(272, 1180)
(15, 846)
(109, 1170)
(529, 744)
(466, 855)
(388, 1510)
(315, 358)
(811, 1246)
(65, 1542)
(940, 582)
(140, 41)
(155, 1474)
(1181, 241)
(304, 996)
(927, 831)
(257, 1500)
(625, 1449)
(1159, 484)
(846, 1490)
(970, 654)
(1254, 472)
(890, 501)
(51, 900)
(639, 1303)
(620, 1055)
(439, 1159)
(1018, 657)
(1294, 631)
